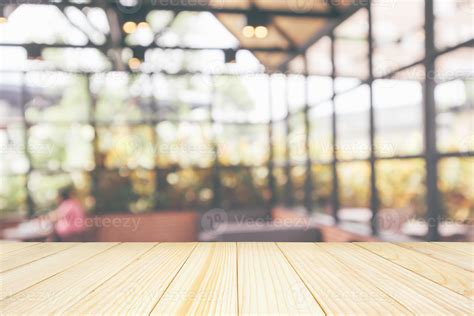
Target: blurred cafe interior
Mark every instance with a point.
(237, 120)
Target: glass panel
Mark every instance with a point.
(182, 97)
(279, 142)
(401, 188)
(298, 178)
(61, 146)
(398, 117)
(321, 147)
(297, 138)
(44, 189)
(245, 187)
(354, 184)
(184, 144)
(125, 191)
(242, 98)
(398, 34)
(56, 96)
(322, 188)
(10, 98)
(351, 47)
(185, 189)
(457, 188)
(453, 22)
(12, 196)
(128, 147)
(122, 97)
(296, 92)
(13, 159)
(455, 101)
(242, 144)
(281, 179)
(352, 111)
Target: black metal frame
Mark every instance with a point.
(430, 156)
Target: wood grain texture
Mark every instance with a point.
(336, 287)
(443, 253)
(236, 278)
(23, 256)
(464, 247)
(268, 283)
(20, 278)
(445, 274)
(6, 247)
(136, 289)
(418, 294)
(65, 289)
(205, 285)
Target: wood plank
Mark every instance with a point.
(6, 247)
(16, 280)
(65, 289)
(445, 274)
(464, 247)
(416, 293)
(26, 255)
(136, 289)
(268, 284)
(442, 253)
(205, 285)
(336, 287)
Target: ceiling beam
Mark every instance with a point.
(104, 47)
(196, 6)
(325, 31)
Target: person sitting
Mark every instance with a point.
(69, 218)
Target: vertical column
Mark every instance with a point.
(216, 180)
(26, 126)
(289, 201)
(95, 145)
(431, 155)
(374, 197)
(271, 163)
(335, 179)
(154, 142)
(308, 187)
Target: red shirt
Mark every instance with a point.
(71, 218)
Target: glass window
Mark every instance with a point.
(297, 138)
(453, 22)
(56, 146)
(455, 101)
(354, 184)
(401, 186)
(457, 188)
(298, 179)
(126, 147)
(184, 144)
(322, 188)
(321, 147)
(242, 144)
(246, 187)
(182, 97)
(56, 97)
(12, 195)
(185, 189)
(242, 99)
(398, 117)
(352, 109)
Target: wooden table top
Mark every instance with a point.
(237, 278)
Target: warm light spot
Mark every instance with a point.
(3, 20)
(261, 32)
(129, 27)
(134, 63)
(248, 31)
(143, 25)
